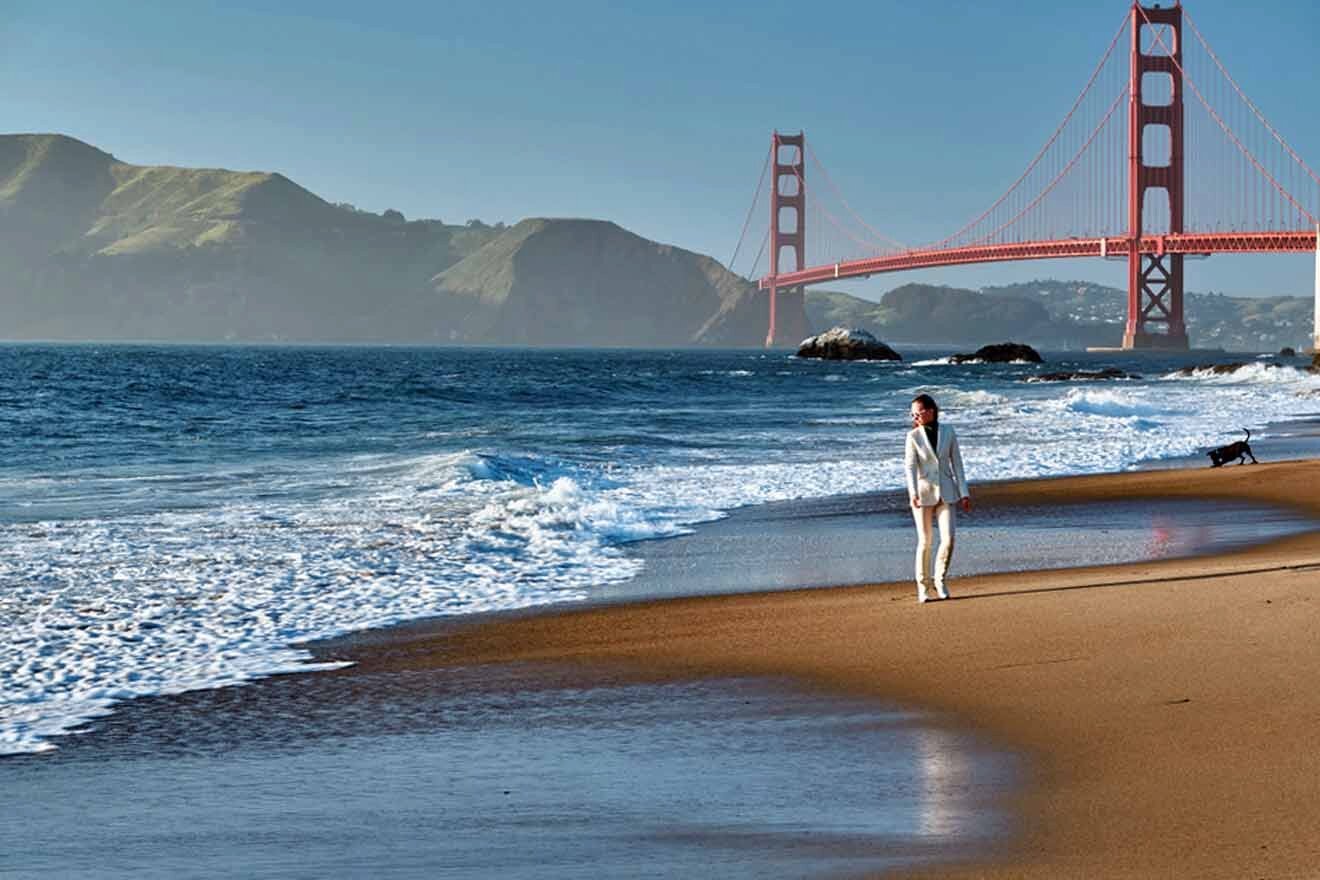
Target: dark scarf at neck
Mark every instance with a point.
(932, 433)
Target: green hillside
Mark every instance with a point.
(93, 247)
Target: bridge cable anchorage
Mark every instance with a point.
(1159, 37)
(1049, 143)
(1251, 104)
(879, 236)
(986, 239)
(756, 200)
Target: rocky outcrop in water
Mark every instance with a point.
(1084, 375)
(845, 344)
(1220, 369)
(1000, 353)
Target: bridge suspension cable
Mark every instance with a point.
(879, 236)
(756, 198)
(1159, 39)
(1251, 104)
(765, 241)
(1104, 60)
(990, 236)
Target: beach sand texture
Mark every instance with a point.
(1168, 711)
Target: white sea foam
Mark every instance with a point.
(1111, 403)
(112, 609)
(1255, 373)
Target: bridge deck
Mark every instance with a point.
(1171, 243)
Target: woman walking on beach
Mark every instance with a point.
(935, 481)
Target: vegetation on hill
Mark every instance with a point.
(92, 247)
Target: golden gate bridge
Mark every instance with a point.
(1197, 170)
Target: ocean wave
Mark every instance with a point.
(1111, 404)
(1253, 373)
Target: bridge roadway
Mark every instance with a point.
(1115, 246)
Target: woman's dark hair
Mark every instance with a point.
(927, 402)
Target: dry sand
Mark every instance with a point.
(1169, 711)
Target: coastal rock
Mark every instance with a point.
(1083, 375)
(845, 344)
(1287, 352)
(1000, 353)
(1218, 369)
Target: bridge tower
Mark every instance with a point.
(788, 211)
(1155, 281)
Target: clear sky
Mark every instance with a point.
(654, 115)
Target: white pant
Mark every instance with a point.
(924, 517)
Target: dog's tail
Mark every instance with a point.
(1248, 430)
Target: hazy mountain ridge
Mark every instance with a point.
(95, 248)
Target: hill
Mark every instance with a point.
(560, 282)
(95, 248)
(1234, 323)
(936, 314)
(1058, 315)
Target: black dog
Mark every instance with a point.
(1241, 450)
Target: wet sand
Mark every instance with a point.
(1167, 710)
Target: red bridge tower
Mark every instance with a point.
(1155, 281)
(788, 196)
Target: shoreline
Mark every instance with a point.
(1163, 707)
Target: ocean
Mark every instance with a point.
(175, 518)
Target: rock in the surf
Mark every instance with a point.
(1084, 375)
(1000, 353)
(847, 344)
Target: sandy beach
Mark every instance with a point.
(1166, 710)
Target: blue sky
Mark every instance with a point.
(656, 116)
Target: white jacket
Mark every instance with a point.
(934, 475)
